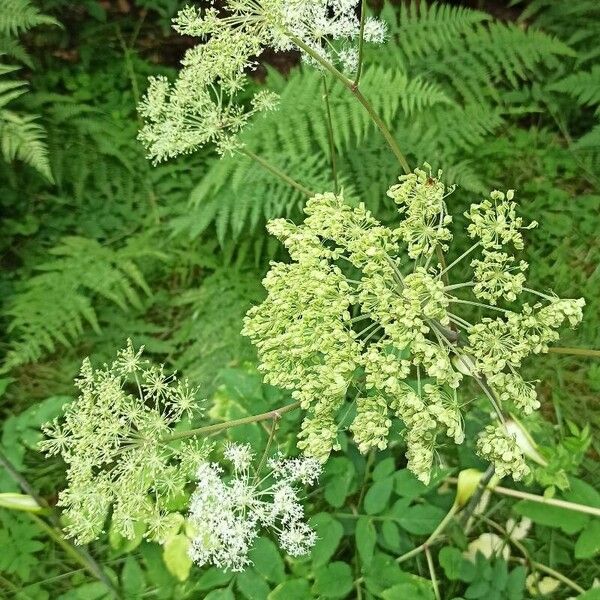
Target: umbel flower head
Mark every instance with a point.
(368, 308)
(227, 514)
(110, 439)
(201, 106)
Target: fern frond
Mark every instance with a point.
(466, 49)
(55, 305)
(584, 86)
(18, 16)
(23, 139)
(590, 140)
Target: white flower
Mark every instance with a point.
(227, 516)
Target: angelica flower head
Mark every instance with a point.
(368, 307)
(201, 106)
(110, 439)
(228, 514)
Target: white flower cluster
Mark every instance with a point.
(110, 440)
(200, 107)
(328, 27)
(228, 515)
(348, 311)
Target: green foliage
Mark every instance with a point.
(21, 137)
(18, 16)
(57, 302)
(173, 256)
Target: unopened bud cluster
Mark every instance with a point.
(365, 309)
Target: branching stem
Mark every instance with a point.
(361, 41)
(575, 351)
(272, 414)
(348, 83)
(331, 140)
(277, 172)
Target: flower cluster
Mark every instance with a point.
(110, 440)
(499, 447)
(227, 515)
(201, 107)
(349, 313)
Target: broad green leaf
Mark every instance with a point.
(378, 496)
(406, 591)
(455, 565)
(588, 542)
(252, 585)
(366, 537)
(329, 533)
(593, 594)
(156, 571)
(221, 594)
(478, 589)
(421, 519)
(333, 580)
(267, 560)
(213, 578)
(515, 584)
(293, 589)
(338, 476)
(176, 556)
(582, 492)
(384, 468)
(132, 578)
(407, 485)
(552, 516)
(383, 573)
(391, 534)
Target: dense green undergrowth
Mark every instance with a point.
(98, 246)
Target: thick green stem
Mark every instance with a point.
(263, 459)
(82, 559)
(575, 351)
(330, 135)
(278, 173)
(82, 556)
(348, 83)
(272, 414)
(361, 41)
(434, 582)
(463, 255)
(574, 506)
(436, 533)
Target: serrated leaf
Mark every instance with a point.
(455, 565)
(588, 542)
(366, 538)
(552, 516)
(421, 519)
(267, 560)
(378, 496)
(252, 585)
(293, 589)
(132, 578)
(333, 580)
(329, 533)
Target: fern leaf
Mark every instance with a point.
(23, 139)
(18, 16)
(54, 306)
(583, 86)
